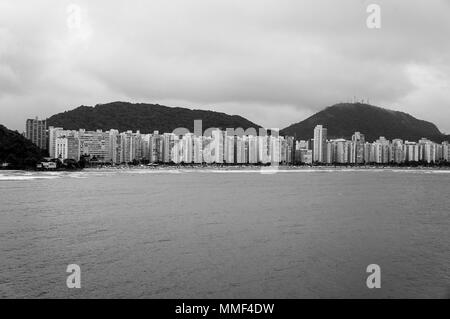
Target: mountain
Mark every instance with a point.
(17, 150)
(343, 119)
(144, 117)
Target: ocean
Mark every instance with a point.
(211, 233)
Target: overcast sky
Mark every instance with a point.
(274, 62)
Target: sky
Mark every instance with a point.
(275, 62)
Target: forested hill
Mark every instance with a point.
(144, 117)
(342, 120)
(17, 150)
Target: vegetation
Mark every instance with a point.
(342, 120)
(17, 151)
(144, 117)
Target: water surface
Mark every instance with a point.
(216, 234)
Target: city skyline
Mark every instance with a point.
(225, 146)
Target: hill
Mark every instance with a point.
(144, 117)
(342, 120)
(17, 150)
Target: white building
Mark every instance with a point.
(320, 138)
(67, 147)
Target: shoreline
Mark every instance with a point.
(241, 167)
(268, 168)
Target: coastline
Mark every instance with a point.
(29, 175)
(238, 167)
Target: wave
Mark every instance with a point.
(156, 171)
(25, 177)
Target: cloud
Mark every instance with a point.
(275, 62)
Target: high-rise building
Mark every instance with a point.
(114, 147)
(252, 149)
(146, 141)
(67, 147)
(216, 146)
(439, 152)
(320, 145)
(94, 144)
(229, 149)
(367, 148)
(274, 151)
(302, 144)
(126, 147)
(308, 157)
(187, 148)
(330, 152)
(207, 147)
(446, 151)
(168, 144)
(156, 153)
(36, 132)
(411, 151)
(53, 133)
(263, 149)
(339, 151)
(198, 149)
(241, 149)
(397, 153)
(289, 149)
(427, 150)
(357, 150)
(381, 151)
(176, 151)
